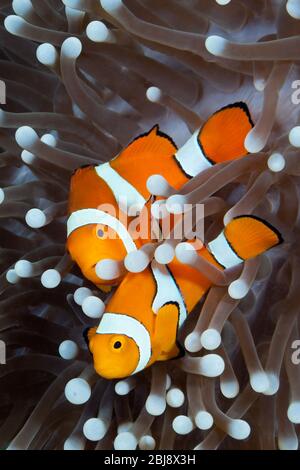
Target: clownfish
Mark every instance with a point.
(221, 138)
(141, 321)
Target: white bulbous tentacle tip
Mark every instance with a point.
(238, 289)
(239, 429)
(293, 9)
(74, 443)
(111, 6)
(94, 429)
(125, 441)
(176, 204)
(212, 365)
(97, 31)
(68, 349)
(27, 157)
(147, 443)
(123, 387)
(80, 294)
(186, 253)
(108, 269)
(216, 45)
(229, 388)
(51, 278)
(77, 391)
(192, 342)
(154, 94)
(276, 162)
(14, 23)
(136, 261)
(12, 277)
(49, 139)
(157, 185)
(2, 195)
(273, 384)
(210, 339)
(155, 405)
(175, 397)
(259, 381)
(293, 412)
(260, 84)
(46, 54)
(93, 307)
(253, 143)
(294, 136)
(26, 137)
(71, 47)
(223, 2)
(24, 268)
(35, 218)
(164, 253)
(22, 7)
(204, 420)
(182, 425)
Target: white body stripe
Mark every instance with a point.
(95, 216)
(167, 290)
(119, 324)
(122, 190)
(190, 157)
(223, 252)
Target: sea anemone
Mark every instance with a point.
(79, 80)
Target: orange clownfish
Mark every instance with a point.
(142, 318)
(220, 139)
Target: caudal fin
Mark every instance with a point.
(222, 137)
(250, 236)
(244, 237)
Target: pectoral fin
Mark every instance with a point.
(165, 335)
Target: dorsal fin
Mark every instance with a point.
(153, 143)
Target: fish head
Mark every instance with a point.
(115, 356)
(90, 244)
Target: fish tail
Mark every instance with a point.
(244, 237)
(249, 236)
(222, 137)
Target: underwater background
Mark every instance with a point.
(68, 102)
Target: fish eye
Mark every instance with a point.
(100, 233)
(117, 345)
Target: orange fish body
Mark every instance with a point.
(96, 190)
(142, 318)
